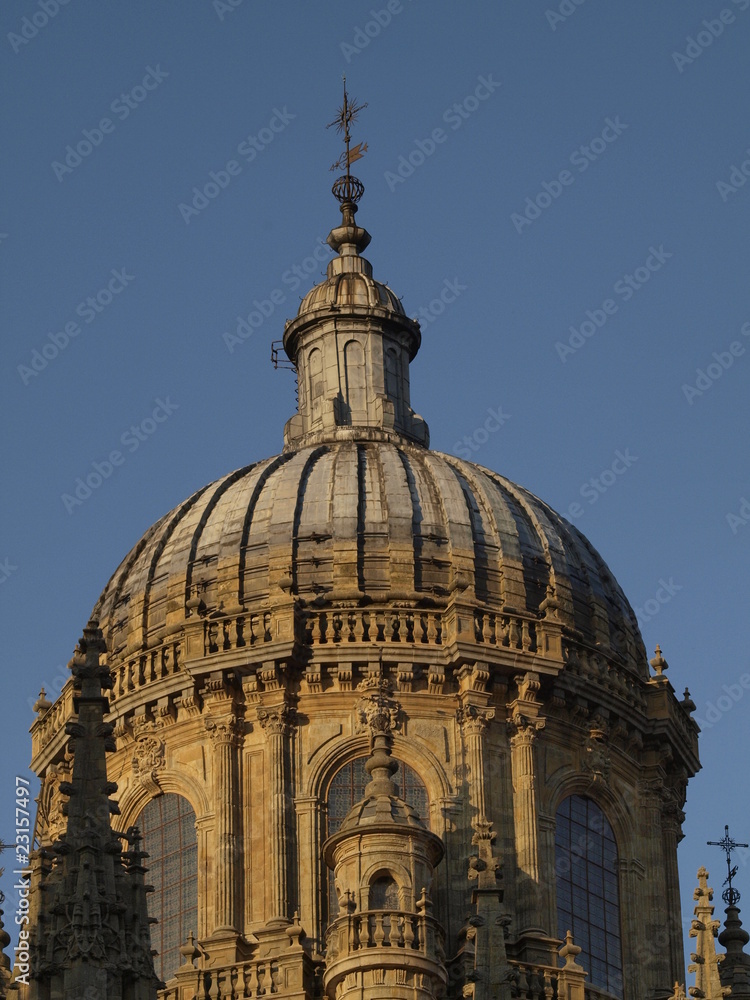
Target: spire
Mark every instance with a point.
(93, 940)
(351, 342)
(735, 968)
(704, 960)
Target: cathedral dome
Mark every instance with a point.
(366, 523)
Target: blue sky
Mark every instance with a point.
(572, 174)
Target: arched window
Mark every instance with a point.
(168, 827)
(588, 898)
(383, 893)
(348, 787)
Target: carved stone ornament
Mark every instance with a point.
(225, 729)
(474, 720)
(148, 760)
(376, 712)
(276, 721)
(484, 867)
(596, 759)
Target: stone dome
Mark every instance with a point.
(344, 291)
(367, 523)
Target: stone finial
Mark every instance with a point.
(42, 704)
(678, 993)
(569, 952)
(687, 702)
(658, 662)
(571, 977)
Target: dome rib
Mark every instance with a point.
(482, 546)
(164, 526)
(417, 518)
(266, 470)
(307, 469)
(223, 487)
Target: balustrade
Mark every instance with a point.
(372, 626)
(385, 929)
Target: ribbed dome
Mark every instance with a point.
(362, 522)
(343, 291)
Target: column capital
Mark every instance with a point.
(524, 731)
(225, 730)
(277, 720)
(474, 720)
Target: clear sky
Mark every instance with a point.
(556, 189)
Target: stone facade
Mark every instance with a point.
(360, 595)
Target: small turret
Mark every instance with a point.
(385, 937)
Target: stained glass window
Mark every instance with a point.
(588, 900)
(348, 787)
(168, 827)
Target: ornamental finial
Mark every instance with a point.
(348, 189)
(731, 896)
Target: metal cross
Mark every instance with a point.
(731, 896)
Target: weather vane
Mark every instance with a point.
(348, 188)
(731, 896)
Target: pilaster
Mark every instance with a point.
(278, 723)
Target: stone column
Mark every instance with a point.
(548, 872)
(312, 880)
(672, 820)
(526, 820)
(277, 723)
(652, 905)
(473, 721)
(226, 736)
